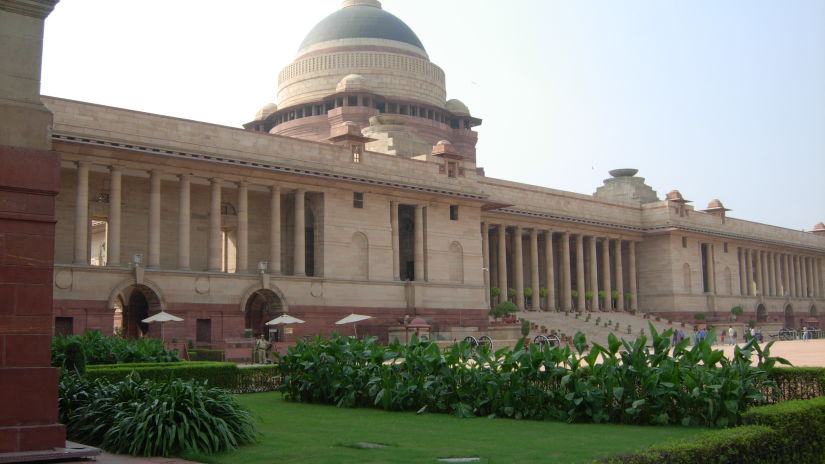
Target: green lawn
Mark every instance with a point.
(308, 433)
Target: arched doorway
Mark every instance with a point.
(262, 306)
(789, 320)
(141, 301)
(761, 313)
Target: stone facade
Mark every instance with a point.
(333, 201)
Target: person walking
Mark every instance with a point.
(731, 335)
(805, 334)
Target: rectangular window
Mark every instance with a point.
(684, 242)
(451, 169)
(356, 153)
(357, 199)
(454, 212)
(63, 325)
(352, 101)
(203, 331)
(725, 246)
(366, 102)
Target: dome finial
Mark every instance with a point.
(372, 3)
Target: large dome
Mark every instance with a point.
(361, 19)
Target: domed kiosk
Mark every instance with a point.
(360, 62)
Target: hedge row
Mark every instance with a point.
(200, 354)
(796, 383)
(224, 375)
(792, 431)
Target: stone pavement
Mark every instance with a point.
(800, 353)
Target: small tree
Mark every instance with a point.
(511, 293)
(528, 294)
(736, 311)
(574, 295)
(543, 295)
(494, 293)
(503, 309)
(628, 298)
(588, 297)
(601, 299)
(699, 316)
(614, 297)
(525, 327)
(74, 359)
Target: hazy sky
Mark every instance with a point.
(718, 99)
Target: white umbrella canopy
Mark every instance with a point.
(160, 318)
(352, 319)
(285, 319)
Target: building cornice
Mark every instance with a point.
(34, 8)
(218, 159)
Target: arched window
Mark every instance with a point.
(456, 263)
(359, 253)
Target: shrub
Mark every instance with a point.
(719, 446)
(796, 383)
(800, 423)
(216, 374)
(205, 355)
(525, 327)
(503, 309)
(100, 349)
(73, 357)
(637, 385)
(148, 418)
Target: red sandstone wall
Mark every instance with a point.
(28, 386)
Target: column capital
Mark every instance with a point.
(215, 180)
(115, 168)
(275, 188)
(243, 183)
(184, 176)
(82, 163)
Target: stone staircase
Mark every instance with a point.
(570, 324)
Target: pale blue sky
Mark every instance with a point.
(718, 99)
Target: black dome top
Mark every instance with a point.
(361, 22)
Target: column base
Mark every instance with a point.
(69, 450)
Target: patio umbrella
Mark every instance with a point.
(285, 319)
(352, 319)
(161, 318)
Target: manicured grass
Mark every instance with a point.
(308, 433)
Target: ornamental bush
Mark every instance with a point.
(623, 382)
(149, 418)
(101, 349)
(224, 375)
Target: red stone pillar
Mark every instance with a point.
(29, 180)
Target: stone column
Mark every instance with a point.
(396, 248)
(594, 274)
(300, 231)
(788, 279)
(29, 182)
(771, 276)
(214, 249)
(759, 283)
(797, 286)
(535, 301)
(115, 200)
(518, 268)
(567, 284)
(806, 273)
(580, 285)
(765, 277)
(749, 271)
(154, 219)
(81, 215)
(274, 266)
(502, 261)
(549, 274)
(605, 268)
(619, 276)
(485, 260)
(631, 258)
(184, 218)
(741, 270)
(243, 228)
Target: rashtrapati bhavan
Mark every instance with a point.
(359, 192)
